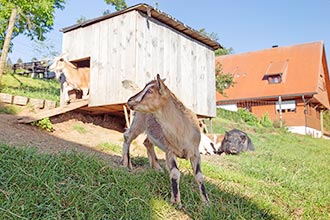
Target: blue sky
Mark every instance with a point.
(244, 25)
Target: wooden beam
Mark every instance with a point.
(53, 112)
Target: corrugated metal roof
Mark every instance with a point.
(299, 66)
(158, 15)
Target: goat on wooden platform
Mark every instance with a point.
(71, 77)
(181, 131)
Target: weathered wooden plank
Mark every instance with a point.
(53, 112)
(20, 100)
(50, 104)
(37, 103)
(6, 98)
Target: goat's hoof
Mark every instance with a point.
(179, 205)
(127, 165)
(158, 168)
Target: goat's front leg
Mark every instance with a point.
(151, 154)
(85, 92)
(66, 89)
(129, 135)
(196, 165)
(172, 166)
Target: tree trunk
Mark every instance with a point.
(6, 43)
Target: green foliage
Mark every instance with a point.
(224, 51)
(35, 18)
(44, 124)
(265, 121)
(230, 115)
(119, 4)
(326, 121)
(222, 80)
(248, 117)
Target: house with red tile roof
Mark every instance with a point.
(290, 84)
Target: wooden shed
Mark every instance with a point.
(135, 44)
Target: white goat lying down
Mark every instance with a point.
(180, 132)
(71, 77)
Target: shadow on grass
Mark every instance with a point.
(222, 205)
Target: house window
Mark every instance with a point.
(274, 79)
(286, 106)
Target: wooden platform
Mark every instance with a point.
(53, 112)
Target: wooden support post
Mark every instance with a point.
(126, 117)
(280, 110)
(131, 115)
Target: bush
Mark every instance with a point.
(265, 121)
(44, 124)
(248, 117)
(223, 113)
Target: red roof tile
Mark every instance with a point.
(300, 67)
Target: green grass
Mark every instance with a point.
(80, 129)
(9, 109)
(29, 87)
(287, 177)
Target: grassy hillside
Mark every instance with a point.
(33, 88)
(287, 177)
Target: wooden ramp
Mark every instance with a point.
(53, 112)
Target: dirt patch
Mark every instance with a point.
(73, 131)
(77, 131)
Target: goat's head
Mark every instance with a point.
(154, 95)
(58, 66)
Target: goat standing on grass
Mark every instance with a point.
(71, 77)
(180, 127)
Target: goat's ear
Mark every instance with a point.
(161, 85)
(64, 55)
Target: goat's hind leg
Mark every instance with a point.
(152, 155)
(172, 166)
(196, 165)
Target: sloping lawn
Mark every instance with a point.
(287, 177)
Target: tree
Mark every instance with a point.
(222, 80)
(32, 18)
(119, 4)
(81, 19)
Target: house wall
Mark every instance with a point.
(297, 118)
(133, 47)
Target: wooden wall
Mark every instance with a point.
(133, 47)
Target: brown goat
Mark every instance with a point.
(181, 130)
(71, 77)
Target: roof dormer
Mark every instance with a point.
(276, 72)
